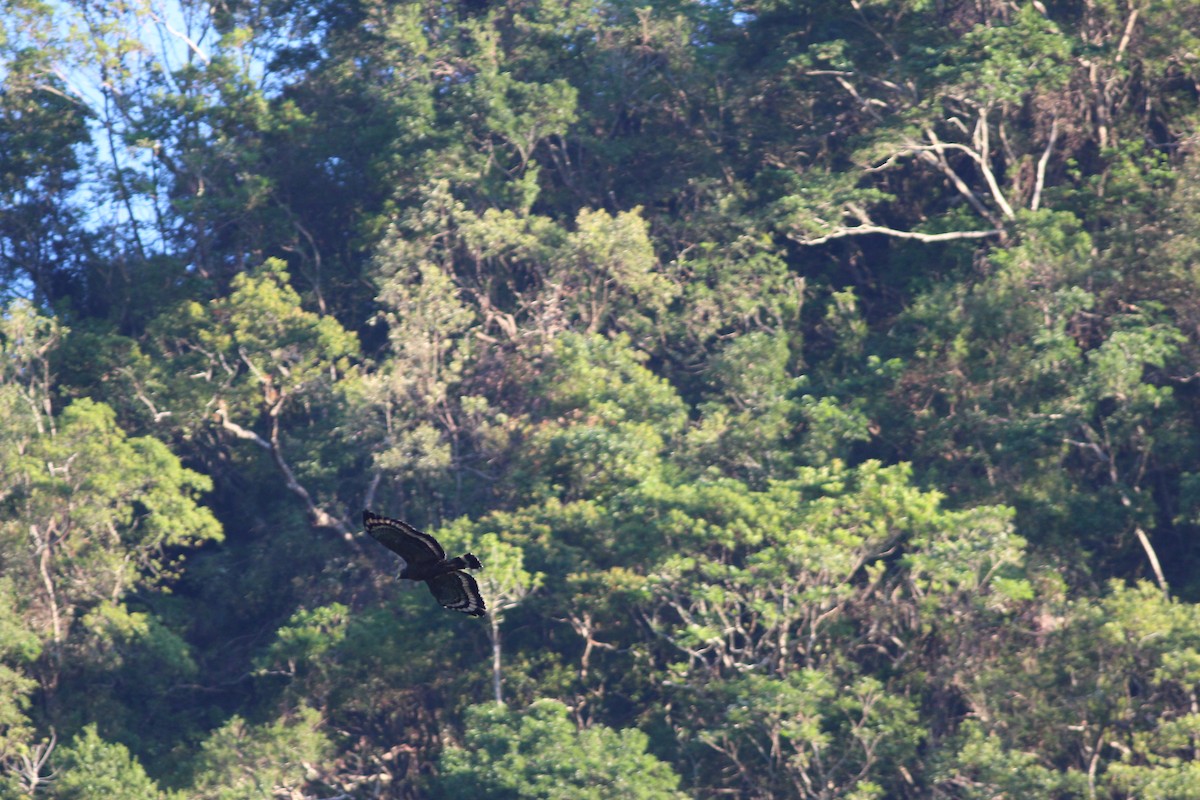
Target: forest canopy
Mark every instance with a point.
(816, 381)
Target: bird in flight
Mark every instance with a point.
(425, 560)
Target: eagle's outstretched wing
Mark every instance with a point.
(417, 548)
(458, 591)
(425, 560)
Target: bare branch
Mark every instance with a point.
(140, 393)
(1041, 167)
(864, 230)
(939, 147)
(372, 487)
(1103, 450)
(865, 104)
(865, 22)
(238, 430)
(183, 37)
(29, 771)
(985, 165)
(1144, 540)
(1153, 558)
(935, 154)
(43, 547)
(1125, 37)
(320, 517)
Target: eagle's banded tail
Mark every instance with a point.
(468, 561)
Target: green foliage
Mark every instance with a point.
(105, 513)
(90, 768)
(241, 761)
(605, 423)
(254, 353)
(850, 737)
(816, 383)
(308, 636)
(129, 515)
(43, 134)
(607, 378)
(19, 647)
(1128, 650)
(996, 65)
(540, 753)
(749, 419)
(505, 581)
(983, 765)
(772, 617)
(830, 428)
(609, 276)
(739, 285)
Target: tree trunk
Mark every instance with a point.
(495, 637)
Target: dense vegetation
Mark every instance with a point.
(817, 380)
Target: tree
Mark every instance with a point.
(835, 364)
(100, 514)
(43, 138)
(22, 758)
(538, 753)
(241, 761)
(781, 639)
(504, 581)
(1124, 736)
(246, 361)
(89, 512)
(90, 768)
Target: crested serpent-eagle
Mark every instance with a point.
(425, 560)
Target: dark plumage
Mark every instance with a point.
(425, 560)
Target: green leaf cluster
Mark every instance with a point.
(816, 382)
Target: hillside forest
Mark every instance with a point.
(818, 382)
